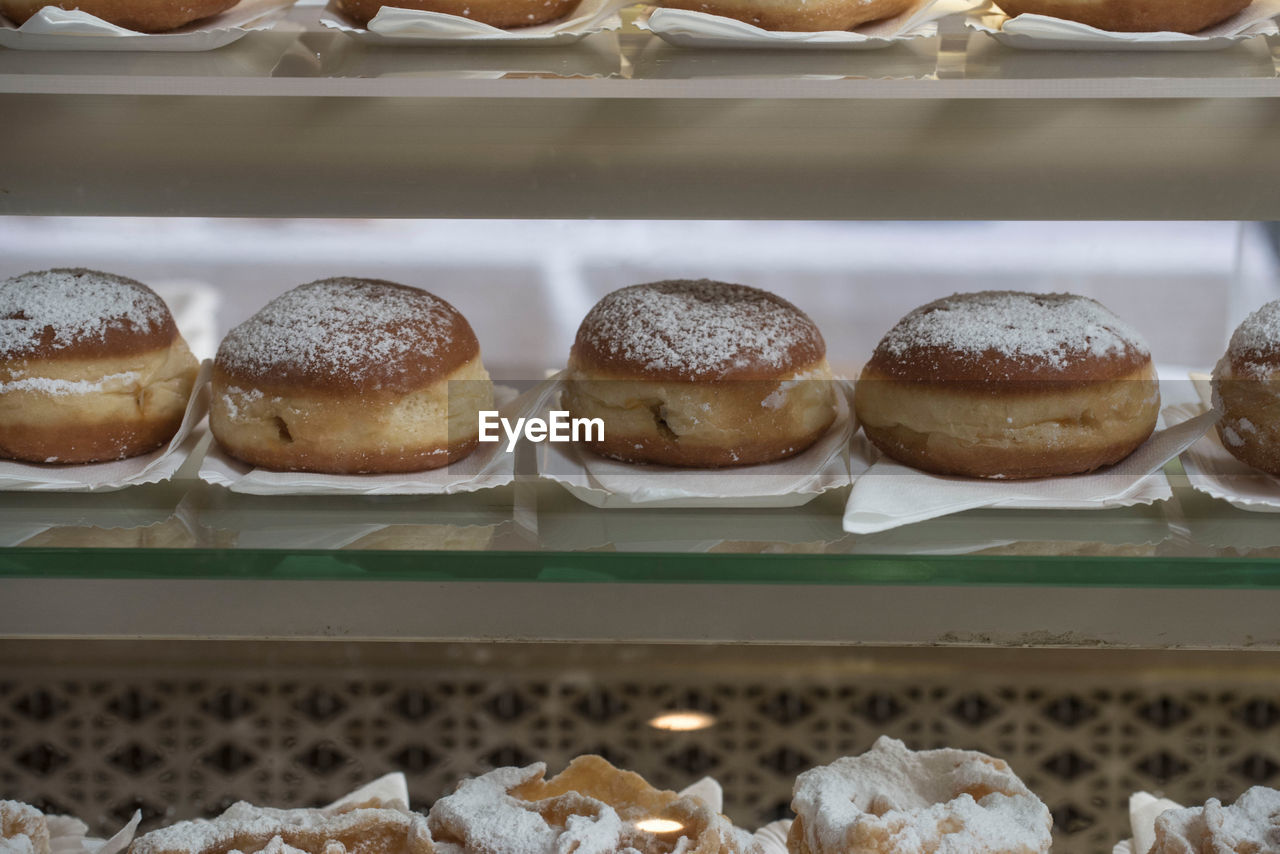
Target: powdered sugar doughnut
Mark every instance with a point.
(787, 15)
(891, 800)
(92, 368)
(1009, 385)
(145, 16)
(1251, 824)
(371, 828)
(507, 14)
(589, 808)
(350, 376)
(1246, 389)
(700, 373)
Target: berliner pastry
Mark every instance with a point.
(145, 16)
(504, 14)
(375, 827)
(892, 800)
(588, 808)
(92, 368)
(1246, 389)
(1004, 384)
(1251, 824)
(1132, 16)
(805, 16)
(700, 373)
(350, 376)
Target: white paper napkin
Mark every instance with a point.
(53, 28)
(488, 466)
(154, 467)
(390, 788)
(69, 835)
(701, 30)
(1040, 32)
(887, 494)
(772, 838)
(410, 26)
(607, 483)
(1212, 469)
(1144, 808)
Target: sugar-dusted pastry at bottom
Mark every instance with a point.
(1249, 826)
(892, 800)
(23, 829)
(589, 808)
(373, 828)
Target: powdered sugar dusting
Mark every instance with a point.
(699, 328)
(63, 308)
(1054, 330)
(1252, 823)
(927, 802)
(350, 328)
(1255, 346)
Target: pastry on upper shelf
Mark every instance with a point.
(1132, 16)
(1251, 824)
(700, 373)
(145, 16)
(1002, 384)
(92, 368)
(350, 376)
(590, 807)
(1246, 389)
(792, 16)
(893, 800)
(375, 827)
(504, 14)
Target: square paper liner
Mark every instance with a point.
(887, 494)
(154, 467)
(1144, 808)
(58, 29)
(607, 483)
(69, 835)
(701, 30)
(1039, 32)
(413, 27)
(488, 466)
(1212, 469)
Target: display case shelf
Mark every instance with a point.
(622, 125)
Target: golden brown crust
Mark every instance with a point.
(999, 431)
(703, 425)
(145, 16)
(86, 443)
(348, 335)
(73, 313)
(1132, 16)
(354, 433)
(789, 16)
(505, 14)
(1250, 406)
(701, 331)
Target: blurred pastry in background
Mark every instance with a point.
(504, 14)
(145, 16)
(806, 16)
(1132, 16)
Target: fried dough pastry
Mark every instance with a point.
(589, 808)
(372, 828)
(23, 829)
(892, 800)
(1249, 826)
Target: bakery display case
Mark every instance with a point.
(176, 646)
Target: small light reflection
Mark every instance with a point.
(682, 721)
(658, 825)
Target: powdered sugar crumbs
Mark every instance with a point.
(65, 307)
(698, 328)
(347, 327)
(1051, 329)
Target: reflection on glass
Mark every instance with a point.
(682, 721)
(659, 825)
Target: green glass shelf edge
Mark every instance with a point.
(641, 568)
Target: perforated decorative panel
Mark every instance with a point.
(98, 731)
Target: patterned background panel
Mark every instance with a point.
(180, 730)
